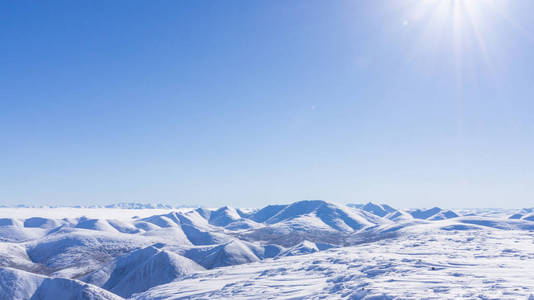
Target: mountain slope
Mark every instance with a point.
(142, 269)
(232, 253)
(378, 209)
(267, 212)
(224, 216)
(20, 285)
(337, 217)
(434, 213)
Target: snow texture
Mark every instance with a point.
(309, 249)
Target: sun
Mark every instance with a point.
(459, 28)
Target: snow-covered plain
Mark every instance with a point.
(304, 250)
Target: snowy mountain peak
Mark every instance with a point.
(434, 213)
(267, 212)
(223, 216)
(295, 210)
(378, 209)
(320, 213)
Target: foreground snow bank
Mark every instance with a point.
(422, 264)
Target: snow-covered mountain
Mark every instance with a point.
(528, 217)
(140, 270)
(525, 213)
(378, 209)
(228, 254)
(223, 216)
(434, 213)
(112, 253)
(21, 285)
(323, 215)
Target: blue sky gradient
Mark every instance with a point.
(245, 103)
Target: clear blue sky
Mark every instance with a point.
(245, 103)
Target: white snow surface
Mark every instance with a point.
(309, 249)
(482, 264)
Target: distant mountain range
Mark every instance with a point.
(121, 205)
